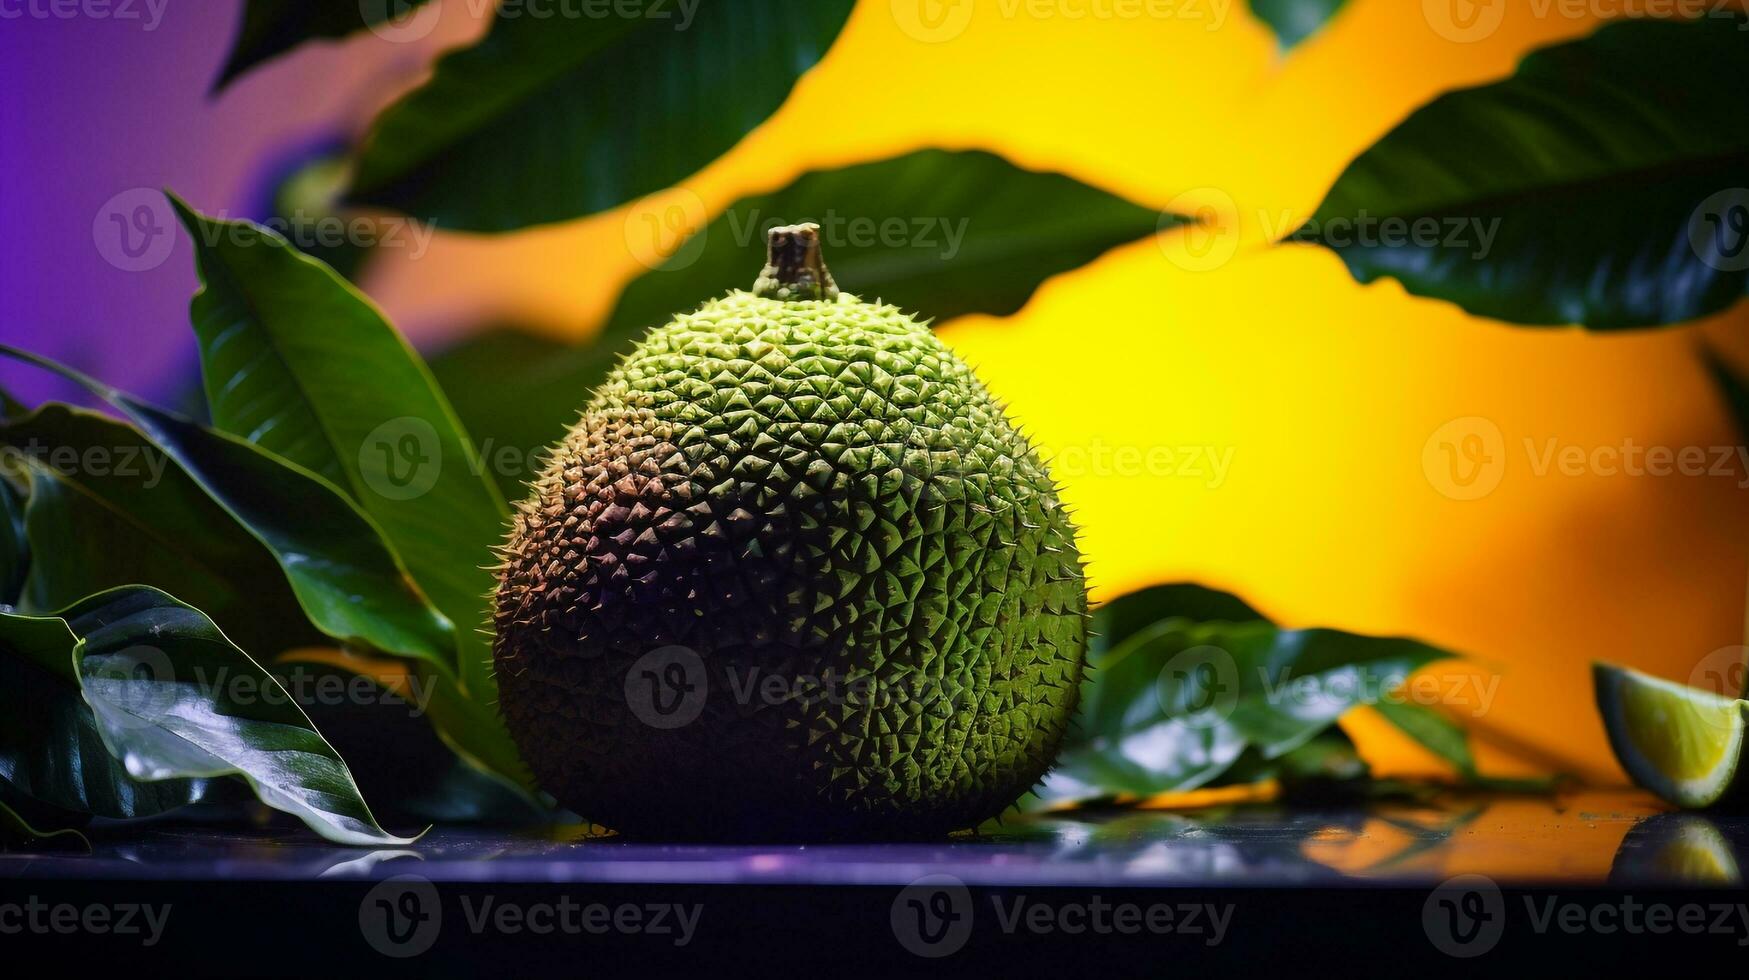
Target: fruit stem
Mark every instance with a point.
(794, 269)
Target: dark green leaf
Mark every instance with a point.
(176, 700)
(1603, 185)
(270, 28)
(51, 750)
(1124, 616)
(938, 233)
(300, 363)
(107, 508)
(349, 583)
(1175, 704)
(401, 763)
(1439, 734)
(1127, 740)
(548, 119)
(14, 542)
(1295, 20)
(513, 433)
(16, 824)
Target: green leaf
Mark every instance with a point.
(388, 736)
(548, 119)
(964, 232)
(1293, 684)
(1439, 734)
(513, 433)
(1176, 703)
(982, 235)
(1124, 616)
(16, 826)
(1295, 20)
(14, 542)
(1125, 740)
(174, 700)
(300, 363)
(51, 750)
(108, 508)
(1600, 185)
(270, 28)
(349, 583)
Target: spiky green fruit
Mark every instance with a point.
(792, 575)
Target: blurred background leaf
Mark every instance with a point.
(978, 235)
(272, 27)
(1610, 170)
(554, 118)
(1295, 20)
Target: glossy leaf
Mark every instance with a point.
(1295, 20)
(51, 750)
(270, 28)
(551, 118)
(301, 364)
(1602, 185)
(349, 583)
(1178, 702)
(107, 508)
(1437, 733)
(174, 699)
(1124, 616)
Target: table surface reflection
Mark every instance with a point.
(1601, 837)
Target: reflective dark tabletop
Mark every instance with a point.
(1614, 837)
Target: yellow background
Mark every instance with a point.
(1325, 391)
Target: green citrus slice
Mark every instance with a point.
(1680, 742)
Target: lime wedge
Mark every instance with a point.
(1680, 742)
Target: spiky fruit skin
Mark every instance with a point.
(793, 493)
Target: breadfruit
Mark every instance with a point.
(793, 575)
